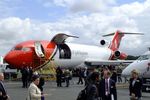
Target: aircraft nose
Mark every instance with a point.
(124, 72)
(9, 58)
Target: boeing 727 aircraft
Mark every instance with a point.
(38, 54)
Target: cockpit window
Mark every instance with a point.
(21, 48)
(144, 57)
(16, 48)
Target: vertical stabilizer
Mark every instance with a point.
(115, 43)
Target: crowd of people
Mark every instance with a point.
(103, 87)
(99, 84)
(63, 76)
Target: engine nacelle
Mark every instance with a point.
(119, 55)
(123, 56)
(102, 42)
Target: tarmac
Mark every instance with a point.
(16, 92)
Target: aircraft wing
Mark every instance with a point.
(96, 62)
(61, 37)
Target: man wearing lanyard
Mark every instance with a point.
(107, 87)
(3, 94)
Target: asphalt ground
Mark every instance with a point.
(16, 92)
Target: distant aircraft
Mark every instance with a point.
(38, 54)
(142, 65)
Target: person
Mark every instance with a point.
(67, 77)
(107, 87)
(41, 84)
(119, 71)
(3, 93)
(59, 74)
(85, 76)
(114, 75)
(30, 74)
(25, 74)
(135, 86)
(92, 90)
(34, 93)
(80, 75)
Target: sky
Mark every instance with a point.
(22, 20)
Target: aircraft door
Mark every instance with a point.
(64, 51)
(39, 50)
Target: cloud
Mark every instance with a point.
(88, 27)
(91, 5)
(80, 5)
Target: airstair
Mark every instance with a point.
(48, 71)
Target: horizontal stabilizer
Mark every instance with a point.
(130, 33)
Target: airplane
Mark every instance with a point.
(37, 54)
(142, 65)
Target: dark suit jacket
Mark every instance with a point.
(92, 92)
(112, 88)
(136, 88)
(3, 91)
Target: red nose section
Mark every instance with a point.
(25, 58)
(18, 59)
(10, 58)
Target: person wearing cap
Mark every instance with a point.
(135, 86)
(34, 93)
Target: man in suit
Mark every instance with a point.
(135, 86)
(107, 87)
(3, 94)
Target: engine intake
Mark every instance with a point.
(102, 42)
(117, 54)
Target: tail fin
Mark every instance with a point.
(115, 43)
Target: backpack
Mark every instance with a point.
(82, 94)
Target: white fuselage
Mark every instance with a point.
(80, 53)
(141, 65)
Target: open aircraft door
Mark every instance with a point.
(64, 50)
(39, 50)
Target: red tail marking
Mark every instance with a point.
(116, 41)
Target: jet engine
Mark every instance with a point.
(119, 55)
(102, 42)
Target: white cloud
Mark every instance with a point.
(132, 9)
(91, 5)
(81, 5)
(88, 27)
